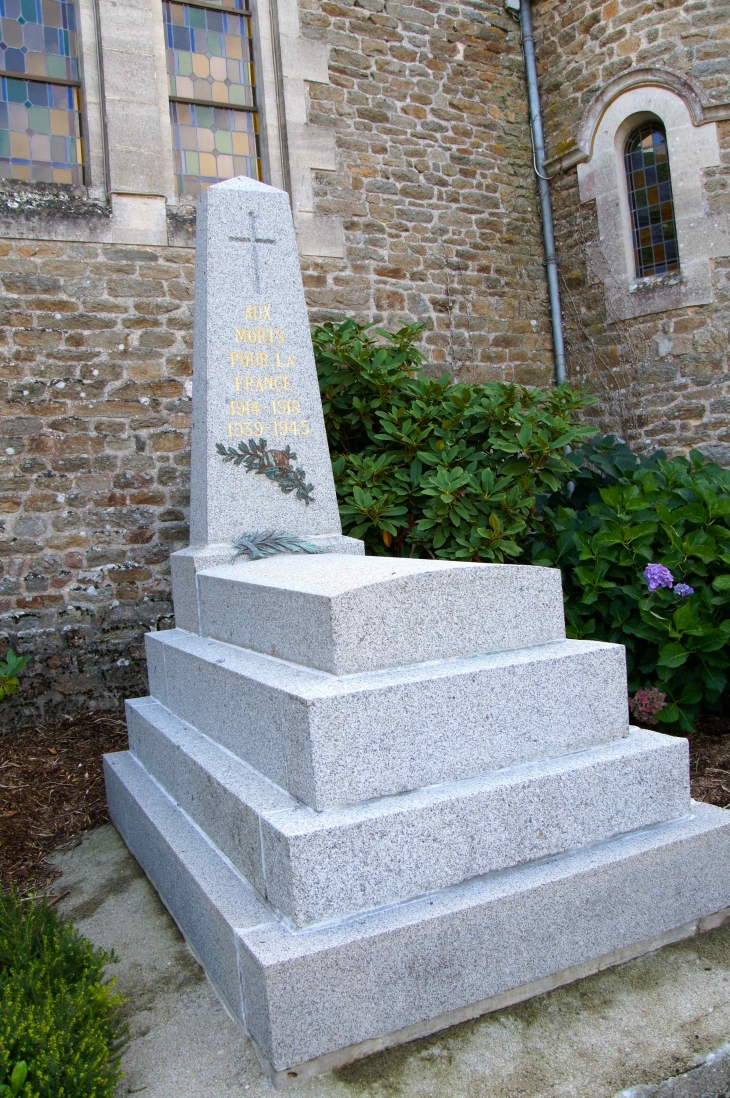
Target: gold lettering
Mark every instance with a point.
(262, 359)
(237, 382)
(280, 335)
(256, 312)
(285, 407)
(289, 362)
(244, 407)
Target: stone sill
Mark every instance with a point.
(655, 282)
(21, 199)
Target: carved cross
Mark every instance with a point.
(253, 239)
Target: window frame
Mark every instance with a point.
(702, 233)
(184, 198)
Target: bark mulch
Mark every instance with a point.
(52, 787)
(51, 790)
(709, 753)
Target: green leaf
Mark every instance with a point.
(525, 435)
(722, 583)
(18, 1076)
(672, 655)
(670, 715)
(692, 693)
(685, 618)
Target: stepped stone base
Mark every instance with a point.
(395, 848)
(321, 996)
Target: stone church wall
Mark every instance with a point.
(403, 137)
(434, 182)
(94, 452)
(663, 377)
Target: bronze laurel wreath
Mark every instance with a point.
(277, 465)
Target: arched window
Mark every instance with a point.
(654, 232)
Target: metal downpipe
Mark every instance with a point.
(543, 184)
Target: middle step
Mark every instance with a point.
(333, 740)
(401, 847)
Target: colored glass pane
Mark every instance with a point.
(211, 144)
(209, 55)
(654, 231)
(40, 132)
(38, 38)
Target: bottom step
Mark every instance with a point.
(345, 989)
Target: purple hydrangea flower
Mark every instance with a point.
(684, 590)
(658, 576)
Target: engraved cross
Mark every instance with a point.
(254, 240)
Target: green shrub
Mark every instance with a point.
(480, 472)
(426, 468)
(56, 1013)
(9, 671)
(633, 512)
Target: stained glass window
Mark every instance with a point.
(212, 89)
(38, 38)
(40, 121)
(39, 132)
(209, 55)
(212, 143)
(654, 231)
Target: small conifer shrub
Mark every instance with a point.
(59, 1017)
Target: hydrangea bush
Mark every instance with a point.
(646, 563)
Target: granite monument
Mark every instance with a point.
(378, 796)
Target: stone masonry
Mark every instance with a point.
(662, 379)
(434, 182)
(94, 454)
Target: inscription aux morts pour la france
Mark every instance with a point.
(264, 402)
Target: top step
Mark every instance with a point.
(345, 614)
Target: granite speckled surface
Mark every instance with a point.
(394, 848)
(335, 740)
(345, 614)
(309, 992)
(252, 344)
